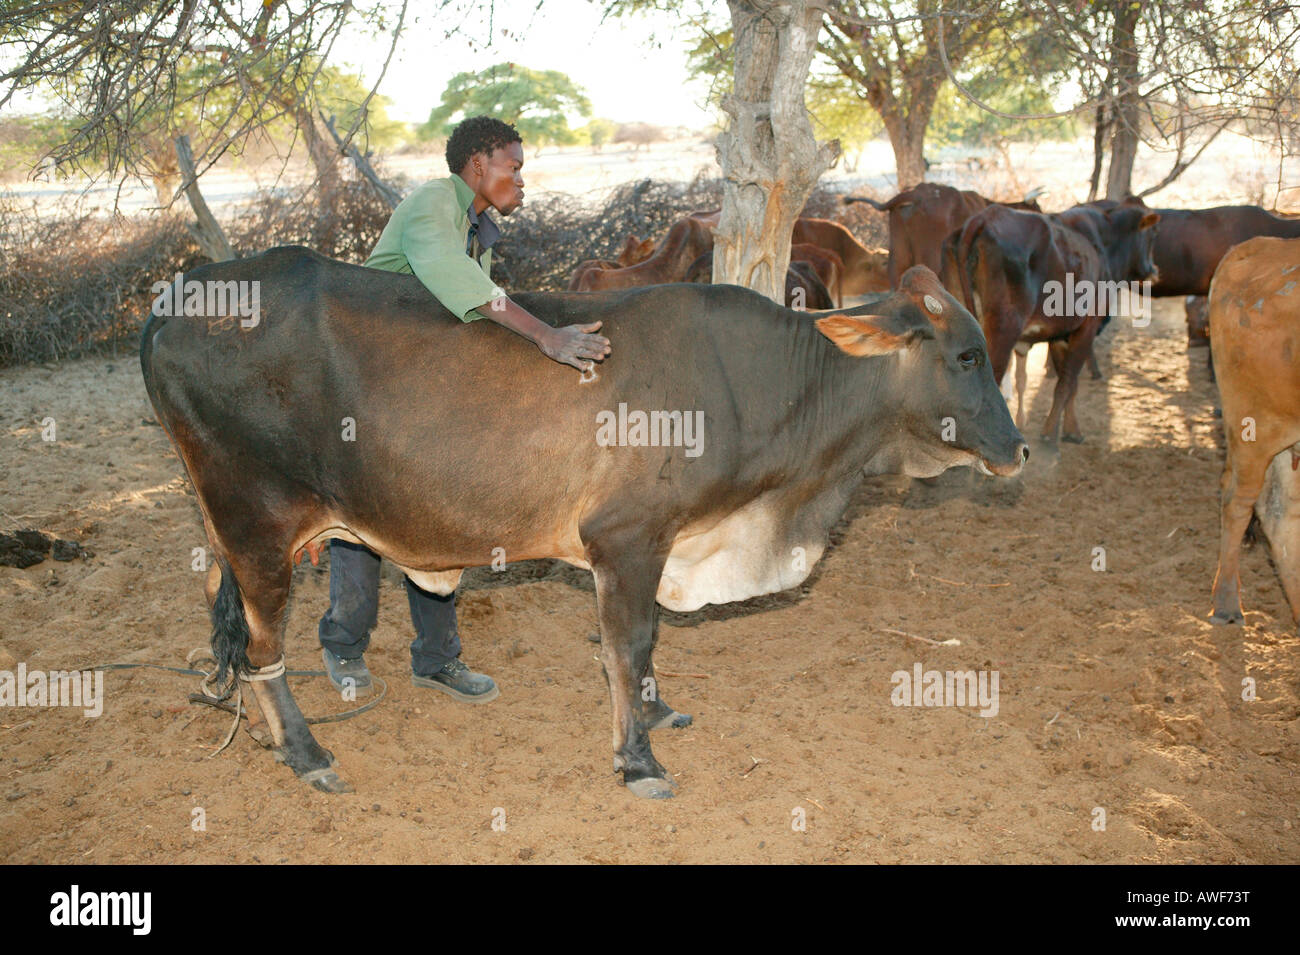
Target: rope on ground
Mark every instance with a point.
(216, 697)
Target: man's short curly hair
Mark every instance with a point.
(478, 134)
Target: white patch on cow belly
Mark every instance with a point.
(440, 582)
(744, 555)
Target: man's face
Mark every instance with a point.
(503, 182)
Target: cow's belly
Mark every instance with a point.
(751, 552)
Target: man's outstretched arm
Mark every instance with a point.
(432, 244)
(571, 344)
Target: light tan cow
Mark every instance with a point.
(1255, 341)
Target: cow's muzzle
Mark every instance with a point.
(1011, 469)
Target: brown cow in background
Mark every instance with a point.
(800, 276)
(686, 241)
(635, 250)
(920, 219)
(1013, 255)
(1192, 242)
(1255, 339)
(864, 270)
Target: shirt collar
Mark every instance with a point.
(487, 230)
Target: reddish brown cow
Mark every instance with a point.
(634, 251)
(1255, 339)
(863, 268)
(920, 219)
(1015, 254)
(686, 241)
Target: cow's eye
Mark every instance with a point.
(969, 359)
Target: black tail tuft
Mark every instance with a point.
(230, 634)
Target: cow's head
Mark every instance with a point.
(949, 409)
(1130, 237)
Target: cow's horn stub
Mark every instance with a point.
(933, 305)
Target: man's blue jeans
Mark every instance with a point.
(354, 611)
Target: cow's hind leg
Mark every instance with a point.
(626, 583)
(1243, 479)
(248, 636)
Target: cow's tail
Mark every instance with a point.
(902, 199)
(230, 634)
(969, 233)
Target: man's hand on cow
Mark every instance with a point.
(575, 345)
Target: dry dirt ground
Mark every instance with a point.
(1115, 693)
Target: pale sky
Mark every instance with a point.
(626, 76)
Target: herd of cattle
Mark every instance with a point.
(998, 259)
(464, 443)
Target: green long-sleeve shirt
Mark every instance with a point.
(427, 236)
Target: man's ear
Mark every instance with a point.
(865, 335)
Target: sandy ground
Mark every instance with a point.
(1115, 693)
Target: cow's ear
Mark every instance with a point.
(1148, 220)
(865, 335)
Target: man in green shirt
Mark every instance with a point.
(442, 234)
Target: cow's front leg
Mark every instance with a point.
(625, 599)
(1069, 356)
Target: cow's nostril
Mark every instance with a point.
(1024, 453)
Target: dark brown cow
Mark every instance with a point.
(1192, 242)
(1197, 308)
(1013, 255)
(1255, 339)
(804, 288)
(724, 435)
(828, 266)
(921, 218)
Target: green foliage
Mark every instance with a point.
(840, 110)
(341, 94)
(535, 101)
(598, 132)
(957, 120)
(25, 139)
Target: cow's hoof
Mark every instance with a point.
(1072, 438)
(1227, 619)
(652, 787)
(673, 720)
(326, 780)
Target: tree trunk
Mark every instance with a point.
(1127, 113)
(907, 136)
(207, 231)
(323, 152)
(769, 156)
(1100, 125)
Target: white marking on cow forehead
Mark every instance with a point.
(933, 304)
